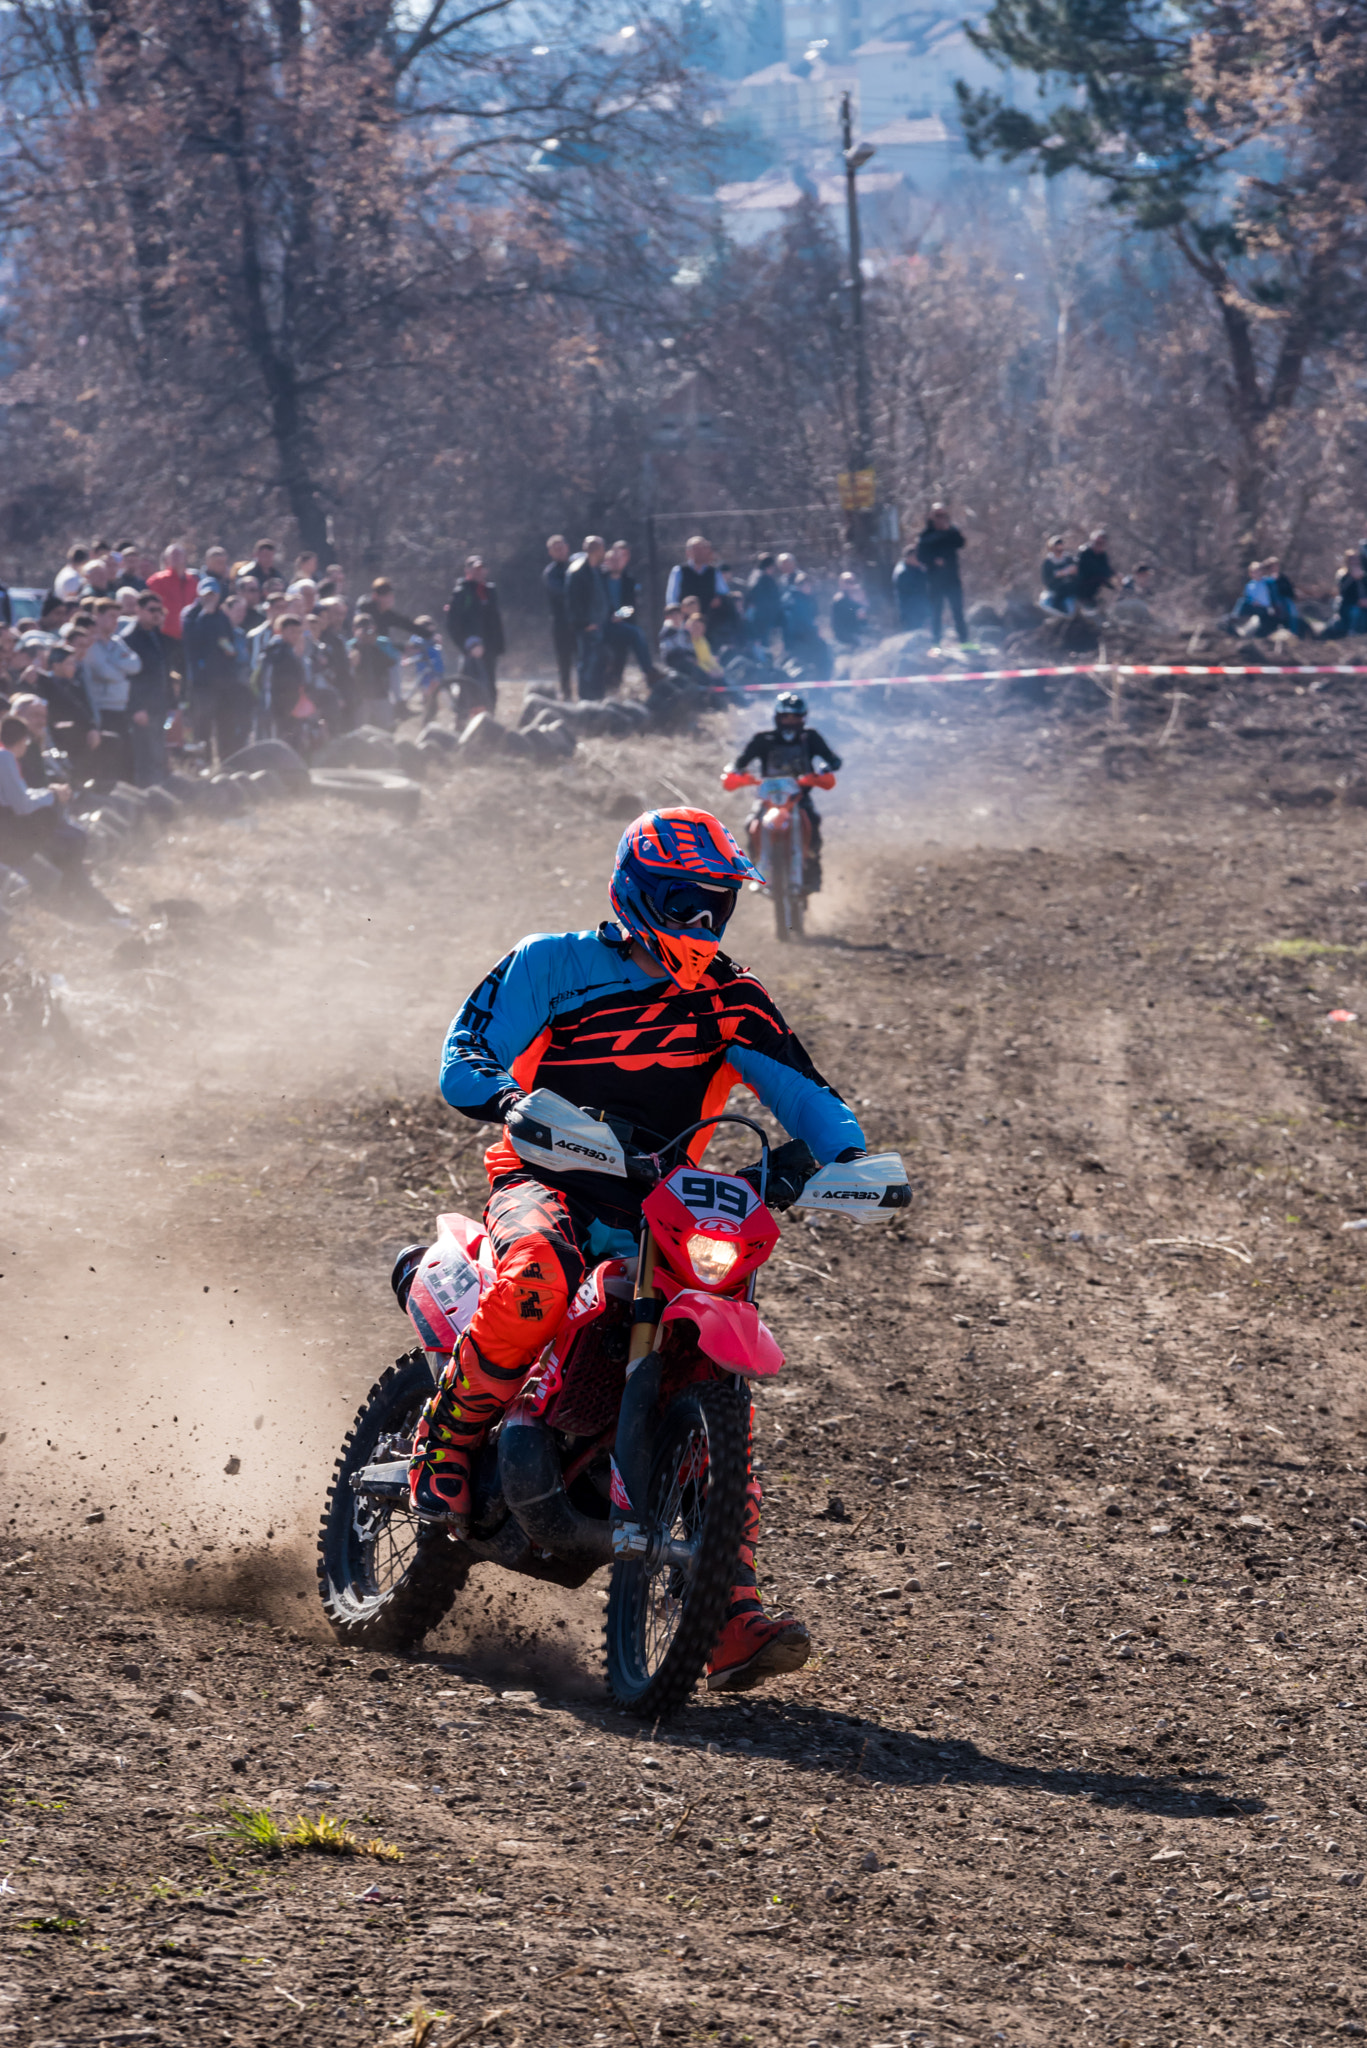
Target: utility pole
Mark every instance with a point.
(860, 487)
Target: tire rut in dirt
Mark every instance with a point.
(398, 1613)
(714, 1418)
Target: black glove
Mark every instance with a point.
(791, 1166)
(850, 1152)
(508, 1101)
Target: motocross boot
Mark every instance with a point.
(754, 1645)
(448, 1430)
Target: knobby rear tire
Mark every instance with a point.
(397, 1614)
(721, 1416)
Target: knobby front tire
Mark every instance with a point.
(661, 1624)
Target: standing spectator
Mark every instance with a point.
(263, 562)
(562, 633)
(108, 667)
(129, 554)
(6, 608)
(283, 681)
(1058, 577)
(305, 569)
(697, 576)
(912, 592)
(622, 634)
(372, 660)
(787, 571)
(333, 657)
(71, 716)
(126, 598)
(150, 694)
(249, 589)
(335, 574)
(937, 550)
(474, 691)
(849, 613)
(218, 712)
(218, 566)
(764, 603)
(586, 596)
(390, 623)
(1094, 571)
(99, 576)
(175, 586)
(473, 613)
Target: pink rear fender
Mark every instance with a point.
(730, 1332)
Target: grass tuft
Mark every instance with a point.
(254, 1827)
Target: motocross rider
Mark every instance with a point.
(649, 1021)
(791, 747)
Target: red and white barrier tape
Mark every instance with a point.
(1083, 668)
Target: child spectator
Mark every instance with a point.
(429, 664)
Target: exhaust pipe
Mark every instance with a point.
(534, 1488)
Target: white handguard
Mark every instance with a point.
(546, 1131)
(874, 1187)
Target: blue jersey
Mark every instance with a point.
(572, 1012)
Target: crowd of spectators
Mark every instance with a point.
(132, 667)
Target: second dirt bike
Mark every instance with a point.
(782, 852)
(628, 1445)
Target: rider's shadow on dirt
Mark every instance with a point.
(807, 1740)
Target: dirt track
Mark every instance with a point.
(1070, 1507)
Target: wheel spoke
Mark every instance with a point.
(680, 1515)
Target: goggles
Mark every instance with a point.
(696, 908)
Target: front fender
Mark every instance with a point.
(730, 1332)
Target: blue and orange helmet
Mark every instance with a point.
(674, 887)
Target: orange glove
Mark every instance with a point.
(733, 779)
(825, 780)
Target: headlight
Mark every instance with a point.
(711, 1257)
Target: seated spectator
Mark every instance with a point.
(1058, 574)
(911, 589)
(764, 602)
(1283, 592)
(802, 642)
(1132, 605)
(1254, 617)
(33, 820)
(676, 644)
(1094, 571)
(1350, 591)
(36, 763)
(696, 627)
(849, 613)
(151, 694)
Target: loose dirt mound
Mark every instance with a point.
(1063, 1470)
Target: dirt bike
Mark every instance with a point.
(628, 1445)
